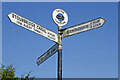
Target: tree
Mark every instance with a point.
(27, 77)
(9, 73)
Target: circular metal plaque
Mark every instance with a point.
(60, 17)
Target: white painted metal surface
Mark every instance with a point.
(60, 11)
(83, 27)
(47, 54)
(21, 21)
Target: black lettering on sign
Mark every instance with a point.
(57, 21)
(19, 23)
(25, 21)
(51, 37)
(48, 53)
(70, 31)
(12, 15)
(37, 30)
(62, 22)
(96, 21)
(82, 27)
(51, 34)
(41, 29)
(33, 25)
(53, 50)
(42, 58)
(86, 26)
(91, 25)
(22, 20)
(29, 23)
(17, 17)
(98, 24)
(78, 29)
(60, 11)
(25, 25)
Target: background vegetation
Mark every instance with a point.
(8, 73)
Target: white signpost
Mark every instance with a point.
(83, 27)
(60, 18)
(21, 21)
(47, 54)
(56, 13)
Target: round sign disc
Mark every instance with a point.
(60, 17)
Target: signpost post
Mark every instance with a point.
(60, 18)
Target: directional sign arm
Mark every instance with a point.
(47, 54)
(83, 27)
(21, 21)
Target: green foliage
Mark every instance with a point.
(8, 73)
(27, 77)
(0, 72)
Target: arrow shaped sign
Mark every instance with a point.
(47, 54)
(21, 21)
(83, 27)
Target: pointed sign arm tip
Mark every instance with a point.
(86, 26)
(28, 24)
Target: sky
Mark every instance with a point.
(91, 54)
